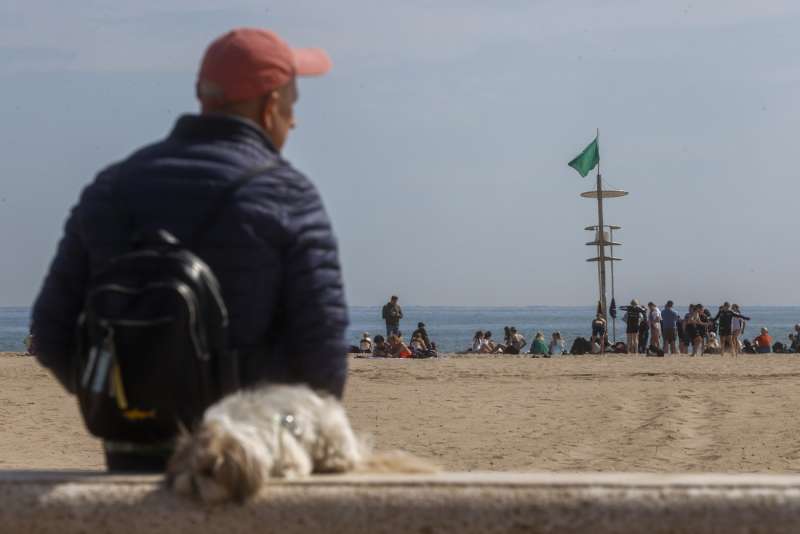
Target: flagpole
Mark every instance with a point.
(601, 227)
(613, 297)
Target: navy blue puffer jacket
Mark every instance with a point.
(272, 250)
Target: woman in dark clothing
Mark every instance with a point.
(632, 318)
(697, 329)
(644, 335)
(725, 317)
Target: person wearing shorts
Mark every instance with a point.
(632, 326)
(669, 327)
(696, 329)
(599, 332)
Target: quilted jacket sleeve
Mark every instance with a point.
(60, 301)
(313, 294)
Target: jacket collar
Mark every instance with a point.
(206, 127)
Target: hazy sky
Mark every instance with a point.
(441, 137)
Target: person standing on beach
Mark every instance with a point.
(725, 316)
(271, 248)
(669, 327)
(392, 313)
(654, 322)
(696, 329)
(795, 346)
(632, 315)
(737, 327)
(599, 332)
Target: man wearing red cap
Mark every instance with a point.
(272, 247)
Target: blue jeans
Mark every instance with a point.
(392, 329)
(762, 350)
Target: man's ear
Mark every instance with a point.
(268, 110)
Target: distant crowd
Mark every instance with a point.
(648, 331)
(652, 331)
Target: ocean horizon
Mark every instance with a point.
(452, 327)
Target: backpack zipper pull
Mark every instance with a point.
(103, 362)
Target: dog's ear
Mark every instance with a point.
(236, 470)
(181, 457)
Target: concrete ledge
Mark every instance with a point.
(67, 502)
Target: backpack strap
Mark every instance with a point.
(224, 197)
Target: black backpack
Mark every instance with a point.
(152, 339)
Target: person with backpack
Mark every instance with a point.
(199, 265)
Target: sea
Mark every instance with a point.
(452, 328)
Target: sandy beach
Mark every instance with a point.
(590, 413)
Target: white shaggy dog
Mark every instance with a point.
(276, 431)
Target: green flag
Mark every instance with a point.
(587, 160)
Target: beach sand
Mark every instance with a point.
(588, 413)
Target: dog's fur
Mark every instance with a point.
(273, 432)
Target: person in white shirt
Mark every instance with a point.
(654, 321)
(478, 342)
(557, 345)
(737, 327)
(366, 343)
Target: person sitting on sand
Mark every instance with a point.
(365, 345)
(539, 347)
(423, 334)
(478, 342)
(417, 345)
(490, 346)
(29, 348)
(713, 345)
(397, 348)
(599, 330)
(517, 342)
(380, 348)
(419, 349)
(763, 343)
(557, 345)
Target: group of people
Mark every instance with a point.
(393, 346)
(650, 330)
(514, 343)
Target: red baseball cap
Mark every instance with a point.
(249, 62)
